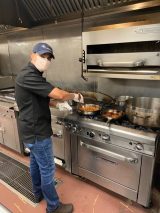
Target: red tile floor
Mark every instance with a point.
(86, 196)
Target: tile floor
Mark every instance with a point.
(86, 196)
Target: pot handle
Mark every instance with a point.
(144, 117)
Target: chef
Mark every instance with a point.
(33, 94)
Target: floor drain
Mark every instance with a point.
(16, 175)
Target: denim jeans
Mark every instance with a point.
(42, 170)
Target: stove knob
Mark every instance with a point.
(139, 146)
(74, 129)
(80, 129)
(105, 137)
(68, 125)
(91, 134)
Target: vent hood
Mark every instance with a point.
(31, 13)
(132, 53)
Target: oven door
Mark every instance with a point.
(110, 162)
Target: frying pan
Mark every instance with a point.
(88, 109)
(112, 114)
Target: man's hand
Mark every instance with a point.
(53, 103)
(78, 98)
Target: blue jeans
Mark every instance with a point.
(42, 170)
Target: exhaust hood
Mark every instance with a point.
(131, 53)
(31, 13)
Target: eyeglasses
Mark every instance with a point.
(49, 58)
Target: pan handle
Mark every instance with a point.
(113, 99)
(139, 116)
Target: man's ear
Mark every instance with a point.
(33, 57)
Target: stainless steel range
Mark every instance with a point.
(118, 157)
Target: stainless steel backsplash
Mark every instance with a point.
(65, 71)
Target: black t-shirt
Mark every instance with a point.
(31, 92)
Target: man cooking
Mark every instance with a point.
(33, 95)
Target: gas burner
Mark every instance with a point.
(127, 123)
(124, 121)
(92, 117)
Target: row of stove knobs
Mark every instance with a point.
(74, 128)
(137, 146)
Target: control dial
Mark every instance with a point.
(105, 137)
(139, 146)
(74, 129)
(91, 134)
(68, 125)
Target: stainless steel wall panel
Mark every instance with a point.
(117, 87)
(65, 71)
(5, 66)
(20, 47)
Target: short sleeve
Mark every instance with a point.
(36, 84)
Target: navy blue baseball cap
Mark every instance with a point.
(42, 48)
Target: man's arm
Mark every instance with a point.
(59, 94)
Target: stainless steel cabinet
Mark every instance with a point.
(8, 126)
(58, 138)
(1, 136)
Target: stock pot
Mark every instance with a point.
(144, 111)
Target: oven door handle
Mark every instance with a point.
(110, 154)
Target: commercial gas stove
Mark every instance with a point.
(119, 156)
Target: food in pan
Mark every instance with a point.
(89, 108)
(114, 114)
